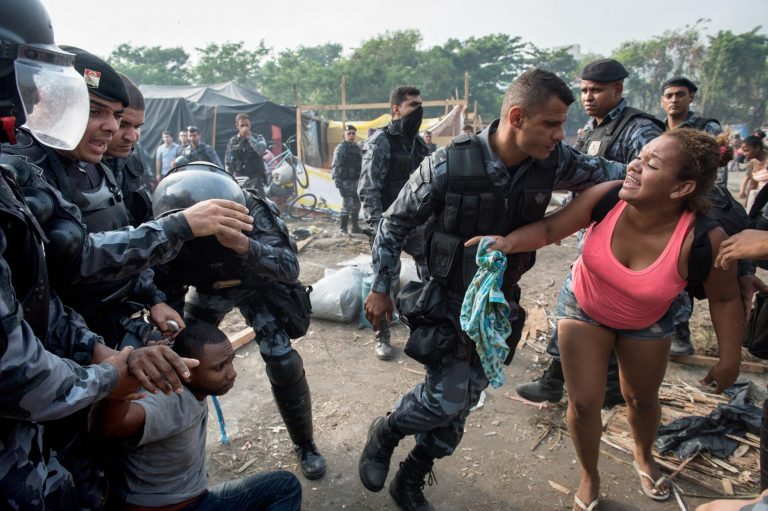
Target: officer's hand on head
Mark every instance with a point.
(215, 216)
(161, 313)
(127, 386)
(234, 240)
(377, 307)
(160, 368)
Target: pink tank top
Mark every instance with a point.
(616, 296)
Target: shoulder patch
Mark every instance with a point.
(263, 218)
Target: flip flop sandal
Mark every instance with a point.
(648, 493)
(592, 505)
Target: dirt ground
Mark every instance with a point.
(496, 466)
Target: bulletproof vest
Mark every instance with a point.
(475, 205)
(246, 162)
(403, 159)
(353, 161)
(699, 123)
(129, 173)
(23, 251)
(196, 154)
(596, 142)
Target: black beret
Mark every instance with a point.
(679, 81)
(604, 70)
(101, 78)
(350, 128)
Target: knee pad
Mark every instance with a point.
(285, 370)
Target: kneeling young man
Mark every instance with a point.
(160, 462)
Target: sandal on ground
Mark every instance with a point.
(592, 505)
(660, 495)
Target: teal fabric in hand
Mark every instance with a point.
(485, 312)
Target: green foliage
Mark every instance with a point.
(314, 70)
(229, 61)
(151, 65)
(736, 85)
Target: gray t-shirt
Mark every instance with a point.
(166, 465)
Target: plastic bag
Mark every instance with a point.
(336, 297)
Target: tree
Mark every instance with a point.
(229, 61)
(151, 65)
(735, 87)
(561, 62)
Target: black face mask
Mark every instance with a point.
(411, 124)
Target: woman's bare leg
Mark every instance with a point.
(585, 350)
(642, 364)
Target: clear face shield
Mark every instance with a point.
(54, 96)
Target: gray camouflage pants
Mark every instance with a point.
(435, 411)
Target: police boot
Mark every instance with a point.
(374, 461)
(547, 387)
(613, 394)
(408, 485)
(383, 347)
(356, 224)
(344, 223)
(681, 341)
(295, 405)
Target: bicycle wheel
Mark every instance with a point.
(302, 177)
(302, 206)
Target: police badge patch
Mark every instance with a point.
(541, 198)
(92, 78)
(594, 147)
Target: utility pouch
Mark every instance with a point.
(291, 306)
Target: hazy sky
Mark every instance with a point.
(598, 26)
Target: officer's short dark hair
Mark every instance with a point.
(135, 97)
(350, 127)
(193, 129)
(427, 132)
(532, 89)
(399, 94)
(197, 334)
(168, 133)
(240, 117)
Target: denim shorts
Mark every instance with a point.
(568, 308)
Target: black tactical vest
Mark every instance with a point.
(403, 159)
(23, 251)
(596, 142)
(698, 123)
(474, 205)
(352, 161)
(130, 174)
(245, 160)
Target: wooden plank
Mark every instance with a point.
(303, 244)
(703, 360)
(242, 338)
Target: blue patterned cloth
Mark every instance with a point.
(485, 312)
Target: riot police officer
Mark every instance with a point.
(493, 182)
(345, 171)
(245, 155)
(258, 275)
(389, 157)
(42, 343)
(618, 132)
(197, 150)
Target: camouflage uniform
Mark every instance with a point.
(244, 157)
(35, 383)
(435, 410)
(345, 171)
(271, 261)
(202, 152)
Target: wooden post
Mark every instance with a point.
(213, 135)
(298, 122)
(474, 119)
(466, 88)
(343, 100)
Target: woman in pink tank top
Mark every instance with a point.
(620, 292)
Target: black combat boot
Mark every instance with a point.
(356, 224)
(613, 395)
(547, 387)
(295, 406)
(374, 461)
(407, 488)
(344, 223)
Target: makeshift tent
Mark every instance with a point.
(212, 108)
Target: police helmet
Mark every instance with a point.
(47, 95)
(186, 185)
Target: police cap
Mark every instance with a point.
(101, 78)
(604, 70)
(679, 81)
